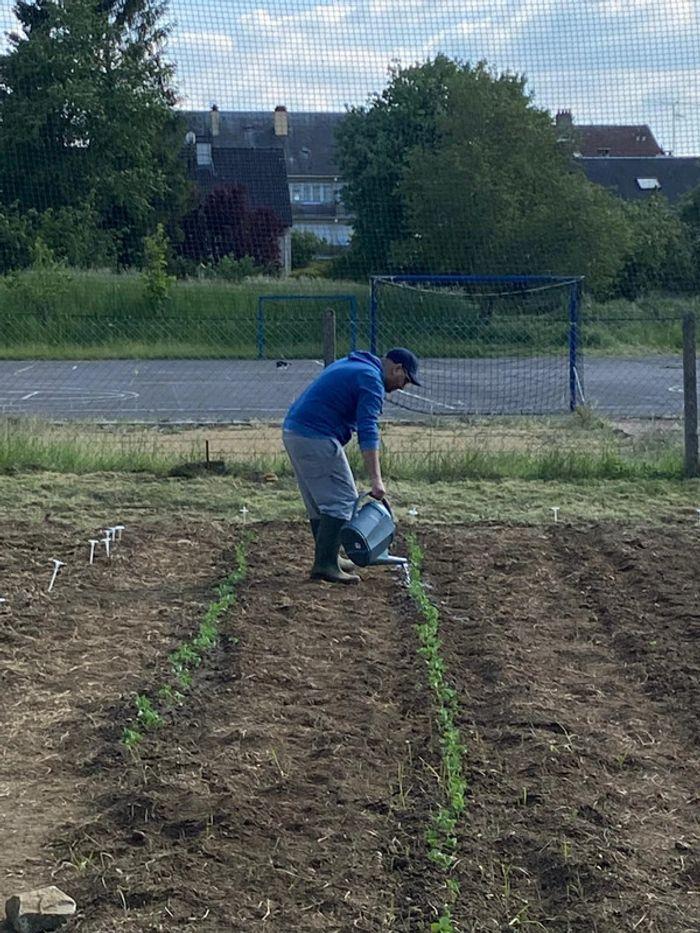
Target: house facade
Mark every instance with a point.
(307, 144)
(262, 173)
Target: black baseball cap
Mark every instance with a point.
(408, 360)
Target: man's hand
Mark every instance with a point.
(378, 491)
(371, 458)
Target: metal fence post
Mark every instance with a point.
(690, 396)
(353, 322)
(373, 318)
(574, 324)
(261, 329)
(329, 348)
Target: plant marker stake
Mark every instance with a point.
(119, 529)
(244, 513)
(698, 511)
(57, 564)
(555, 510)
(106, 541)
(93, 544)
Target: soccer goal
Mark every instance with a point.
(489, 345)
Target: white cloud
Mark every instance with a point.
(214, 41)
(380, 7)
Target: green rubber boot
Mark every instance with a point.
(343, 562)
(326, 565)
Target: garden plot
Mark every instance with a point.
(576, 657)
(72, 660)
(289, 790)
(293, 786)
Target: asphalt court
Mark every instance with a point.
(241, 390)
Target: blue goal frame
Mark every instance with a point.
(264, 299)
(575, 283)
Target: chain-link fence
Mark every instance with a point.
(185, 194)
(483, 354)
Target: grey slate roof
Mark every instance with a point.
(262, 172)
(308, 148)
(676, 176)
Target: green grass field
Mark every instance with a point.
(93, 315)
(582, 448)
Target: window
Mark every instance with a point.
(311, 193)
(203, 153)
(649, 184)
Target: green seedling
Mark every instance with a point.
(131, 737)
(441, 836)
(187, 656)
(169, 696)
(147, 715)
(443, 925)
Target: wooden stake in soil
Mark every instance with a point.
(690, 396)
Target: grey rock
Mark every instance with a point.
(40, 910)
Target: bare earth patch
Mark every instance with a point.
(576, 654)
(293, 787)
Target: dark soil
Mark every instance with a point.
(577, 657)
(289, 792)
(292, 789)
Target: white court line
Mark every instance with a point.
(423, 398)
(24, 370)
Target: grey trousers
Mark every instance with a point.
(323, 473)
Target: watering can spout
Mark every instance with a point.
(390, 560)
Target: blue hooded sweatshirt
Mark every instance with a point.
(348, 396)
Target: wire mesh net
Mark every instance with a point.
(186, 188)
(489, 346)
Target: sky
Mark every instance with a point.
(608, 61)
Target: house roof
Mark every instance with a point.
(638, 179)
(597, 139)
(619, 140)
(262, 172)
(308, 146)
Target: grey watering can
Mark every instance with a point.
(368, 534)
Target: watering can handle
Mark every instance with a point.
(365, 495)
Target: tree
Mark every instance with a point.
(689, 213)
(86, 105)
(223, 224)
(660, 253)
(373, 147)
(468, 176)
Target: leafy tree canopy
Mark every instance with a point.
(86, 104)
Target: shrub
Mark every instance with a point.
(157, 282)
(305, 247)
(15, 242)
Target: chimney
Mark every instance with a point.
(215, 118)
(564, 119)
(281, 121)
